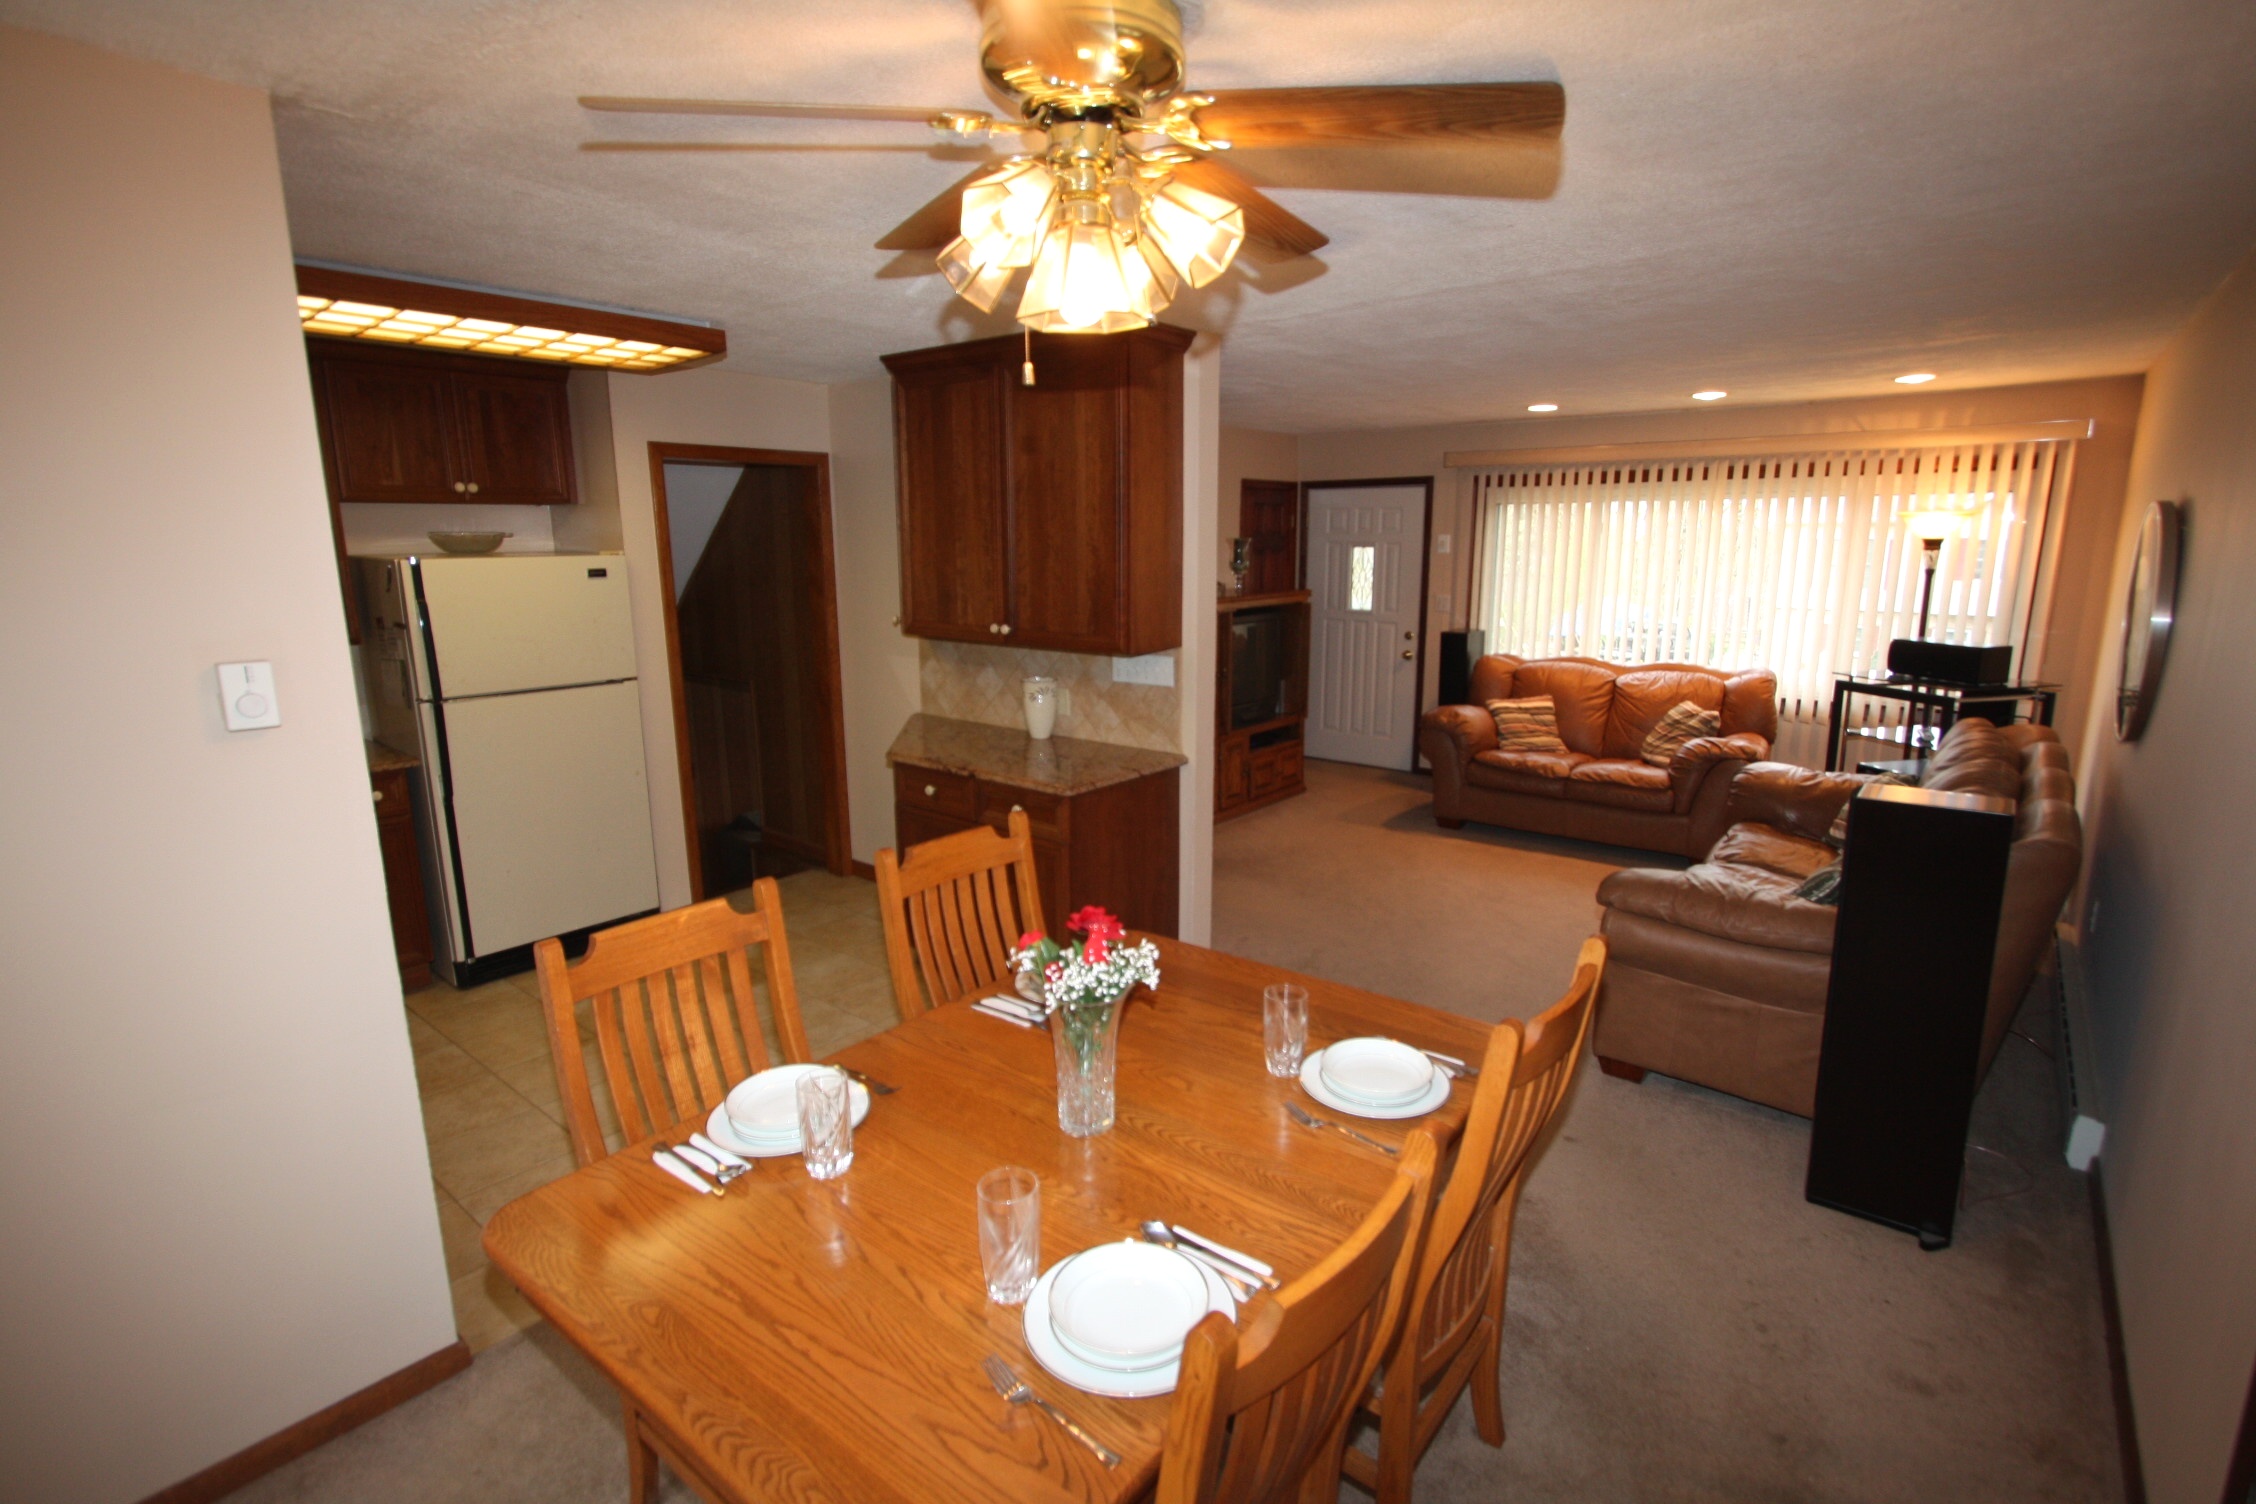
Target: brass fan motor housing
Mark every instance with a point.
(1081, 54)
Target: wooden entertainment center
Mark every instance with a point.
(1260, 700)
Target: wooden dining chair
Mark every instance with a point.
(674, 1012)
(1261, 1415)
(954, 908)
(1453, 1331)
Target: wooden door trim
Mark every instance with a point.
(839, 857)
(1425, 567)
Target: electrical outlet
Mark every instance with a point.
(1152, 668)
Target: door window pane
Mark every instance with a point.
(1362, 561)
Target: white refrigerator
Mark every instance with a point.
(514, 676)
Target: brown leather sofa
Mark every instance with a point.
(1717, 974)
(1600, 789)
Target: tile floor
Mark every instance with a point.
(490, 1108)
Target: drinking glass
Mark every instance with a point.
(826, 1122)
(1010, 1233)
(1284, 1027)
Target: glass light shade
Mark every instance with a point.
(979, 283)
(1007, 212)
(1086, 282)
(1200, 232)
(1937, 522)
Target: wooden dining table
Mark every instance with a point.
(812, 1340)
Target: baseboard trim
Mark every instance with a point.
(2118, 1366)
(864, 869)
(356, 1409)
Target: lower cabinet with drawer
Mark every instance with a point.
(1116, 846)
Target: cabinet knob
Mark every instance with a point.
(473, 488)
(1005, 629)
(379, 793)
(1016, 809)
(994, 627)
(458, 488)
(930, 790)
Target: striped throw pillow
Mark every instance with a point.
(1529, 725)
(1686, 722)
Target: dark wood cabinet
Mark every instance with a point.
(1046, 516)
(1260, 700)
(415, 426)
(1115, 846)
(403, 869)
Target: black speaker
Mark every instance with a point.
(1922, 884)
(1950, 662)
(1459, 652)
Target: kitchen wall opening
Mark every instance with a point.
(745, 536)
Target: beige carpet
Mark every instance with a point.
(1683, 1326)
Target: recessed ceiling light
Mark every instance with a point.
(1709, 396)
(1543, 407)
(1916, 378)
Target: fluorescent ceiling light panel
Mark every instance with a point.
(1709, 396)
(1543, 407)
(1916, 378)
(398, 311)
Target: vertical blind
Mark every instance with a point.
(1805, 564)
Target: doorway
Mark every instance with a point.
(1269, 517)
(744, 546)
(1367, 577)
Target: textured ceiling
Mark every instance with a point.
(1790, 199)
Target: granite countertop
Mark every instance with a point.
(382, 759)
(1063, 765)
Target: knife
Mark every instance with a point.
(1007, 1017)
(732, 1165)
(684, 1174)
(1247, 1262)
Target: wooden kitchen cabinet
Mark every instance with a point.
(1046, 516)
(1260, 700)
(417, 426)
(1115, 846)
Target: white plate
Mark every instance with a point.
(1377, 1072)
(767, 1105)
(1126, 1305)
(719, 1129)
(1312, 1082)
(1088, 1377)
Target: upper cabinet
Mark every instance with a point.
(412, 425)
(1045, 516)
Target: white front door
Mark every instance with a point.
(1365, 548)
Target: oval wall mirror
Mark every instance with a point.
(2148, 615)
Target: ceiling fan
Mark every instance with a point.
(1124, 186)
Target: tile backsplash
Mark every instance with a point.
(974, 682)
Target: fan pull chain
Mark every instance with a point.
(1026, 371)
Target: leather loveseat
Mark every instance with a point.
(1600, 789)
(1717, 974)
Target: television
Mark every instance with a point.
(1259, 677)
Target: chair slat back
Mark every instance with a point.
(1524, 1077)
(954, 908)
(1261, 1411)
(675, 1014)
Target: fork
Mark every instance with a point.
(1015, 1389)
(1308, 1119)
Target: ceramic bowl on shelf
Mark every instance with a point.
(468, 543)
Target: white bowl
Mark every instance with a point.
(1379, 1072)
(1127, 1306)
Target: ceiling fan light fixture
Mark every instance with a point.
(1199, 232)
(1007, 213)
(979, 283)
(1082, 284)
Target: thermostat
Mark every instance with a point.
(246, 696)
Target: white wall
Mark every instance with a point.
(877, 662)
(194, 943)
(702, 406)
(1196, 665)
(2167, 937)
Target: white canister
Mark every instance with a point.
(1041, 707)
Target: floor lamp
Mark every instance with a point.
(1931, 527)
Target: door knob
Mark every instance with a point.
(1408, 654)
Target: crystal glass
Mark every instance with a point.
(1010, 1233)
(1087, 1038)
(1284, 1027)
(826, 1122)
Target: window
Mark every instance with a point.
(1804, 564)
(1362, 566)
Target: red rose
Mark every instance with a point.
(1096, 923)
(1093, 950)
(1030, 939)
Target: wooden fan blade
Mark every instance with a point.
(937, 223)
(776, 111)
(1385, 114)
(1274, 232)
(1504, 169)
(953, 154)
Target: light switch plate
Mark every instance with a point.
(246, 696)
(1152, 668)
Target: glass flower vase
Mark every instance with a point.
(1087, 1037)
